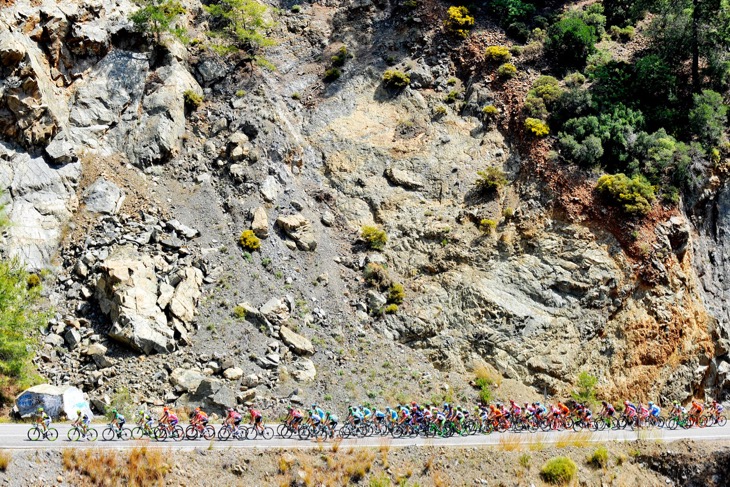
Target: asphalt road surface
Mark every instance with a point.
(14, 436)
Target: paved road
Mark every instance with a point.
(13, 436)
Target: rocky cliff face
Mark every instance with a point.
(138, 206)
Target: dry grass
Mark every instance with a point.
(138, 468)
(384, 450)
(428, 466)
(5, 458)
(578, 440)
(510, 443)
(537, 442)
(336, 445)
(333, 469)
(489, 374)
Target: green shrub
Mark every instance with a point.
(487, 226)
(534, 107)
(440, 111)
(239, 312)
(393, 78)
(377, 276)
(574, 80)
(249, 240)
(525, 461)
(33, 280)
(546, 88)
(516, 51)
(374, 236)
(458, 21)
(452, 81)
(332, 74)
(296, 96)
(633, 195)
(708, 117)
(244, 26)
(537, 127)
(624, 35)
(241, 93)
(559, 470)
(599, 458)
(341, 57)
(157, 17)
(396, 293)
(296, 9)
(507, 70)
(497, 54)
(490, 111)
(570, 41)
(491, 179)
(390, 309)
(508, 213)
(452, 96)
(510, 12)
(585, 391)
(192, 99)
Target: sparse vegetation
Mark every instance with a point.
(332, 74)
(599, 458)
(239, 312)
(5, 459)
(490, 112)
(159, 17)
(559, 470)
(396, 293)
(244, 26)
(390, 309)
(192, 99)
(376, 275)
(339, 59)
(537, 127)
(139, 468)
(459, 22)
(375, 237)
(525, 461)
(392, 78)
(507, 70)
(487, 225)
(497, 54)
(249, 241)
(491, 179)
(585, 391)
(296, 8)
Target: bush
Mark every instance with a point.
(157, 17)
(537, 127)
(585, 391)
(440, 111)
(192, 99)
(296, 9)
(459, 22)
(570, 41)
(497, 54)
(377, 276)
(547, 89)
(452, 96)
(249, 240)
(391, 309)
(509, 12)
(396, 293)
(507, 70)
(624, 35)
(341, 57)
(332, 74)
(559, 470)
(508, 213)
(240, 93)
(5, 458)
(534, 107)
(487, 226)
(708, 117)
(490, 113)
(33, 280)
(393, 78)
(374, 236)
(633, 195)
(574, 80)
(599, 458)
(239, 312)
(491, 179)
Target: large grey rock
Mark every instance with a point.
(299, 344)
(260, 223)
(186, 379)
(62, 150)
(275, 310)
(73, 338)
(97, 352)
(103, 196)
(270, 189)
(234, 373)
(187, 293)
(404, 179)
(182, 229)
(304, 371)
(127, 292)
(212, 70)
(55, 400)
(299, 229)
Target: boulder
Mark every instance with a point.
(234, 373)
(183, 230)
(299, 344)
(127, 292)
(260, 223)
(275, 310)
(103, 196)
(375, 300)
(187, 293)
(404, 179)
(73, 338)
(299, 229)
(54, 340)
(212, 70)
(55, 400)
(61, 150)
(270, 189)
(97, 352)
(304, 371)
(186, 379)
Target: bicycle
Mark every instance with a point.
(237, 432)
(112, 431)
(77, 433)
(36, 433)
(140, 431)
(716, 421)
(195, 431)
(164, 431)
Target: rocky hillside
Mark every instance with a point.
(130, 201)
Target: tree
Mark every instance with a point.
(585, 391)
(570, 41)
(708, 117)
(158, 17)
(243, 24)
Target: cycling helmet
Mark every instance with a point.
(314, 405)
(413, 403)
(651, 403)
(166, 409)
(328, 413)
(626, 403)
(446, 405)
(230, 410)
(604, 403)
(78, 411)
(197, 410)
(527, 404)
(40, 408)
(511, 401)
(114, 411)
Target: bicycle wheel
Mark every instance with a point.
(108, 434)
(268, 433)
(305, 431)
(73, 434)
(177, 433)
(344, 431)
(92, 434)
(721, 421)
(160, 433)
(34, 434)
(191, 433)
(137, 433)
(52, 434)
(577, 426)
(209, 432)
(224, 433)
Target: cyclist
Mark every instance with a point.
(256, 419)
(654, 410)
(540, 410)
(233, 419)
(82, 420)
(379, 416)
(367, 413)
(564, 411)
(294, 418)
(318, 411)
(696, 409)
(716, 409)
(118, 421)
(43, 419)
(515, 409)
(608, 410)
(391, 415)
(629, 410)
(168, 417)
(199, 418)
(331, 421)
(144, 419)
